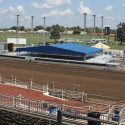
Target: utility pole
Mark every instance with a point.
(17, 29)
(44, 24)
(94, 28)
(102, 26)
(32, 22)
(85, 22)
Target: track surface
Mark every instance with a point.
(109, 83)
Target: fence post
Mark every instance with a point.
(43, 88)
(62, 107)
(82, 96)
(13, 101)
(31, 84)
(12, 78)
(47, 88)
(62, 94)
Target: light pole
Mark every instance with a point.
(85, 31)
(94, 28)
(17, 29)
(85, 14)
(32, 22)
(102, 26)
(44, 25)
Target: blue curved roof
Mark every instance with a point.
(69, 49)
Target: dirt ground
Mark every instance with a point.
(109, 83)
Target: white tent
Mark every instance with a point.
(101, 46)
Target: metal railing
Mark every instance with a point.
(19, 102)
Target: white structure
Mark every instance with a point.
(1, 31)
(70, 32)
(98, 41)
(11, 31)
(17, 41)
(101, 46)
(41, 31)
(102, 59)
(83, 33)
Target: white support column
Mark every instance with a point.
(62, 94)
(47, 88)
(31, 84)
(83, 97)
(12, 79)
(62, 107)
(43, 88)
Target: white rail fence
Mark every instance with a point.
(108, 112)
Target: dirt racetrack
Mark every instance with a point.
(109, 83)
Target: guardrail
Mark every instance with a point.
(42, 107)
(48, 108)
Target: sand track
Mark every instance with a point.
(102, 82)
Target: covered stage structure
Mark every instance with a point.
(64, 50)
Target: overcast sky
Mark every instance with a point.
(63, 12)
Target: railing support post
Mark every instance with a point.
(31, 84)
(62, 94)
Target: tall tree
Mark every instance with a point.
(38, 28)
(55, 33)
(121, 33)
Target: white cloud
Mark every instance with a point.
(47, 6)
(56, 13)
(109, 17)
(50, 4)
(58, 2)
(36, 5)
(11, 9)
(109, 8)
(82, 9)
(123, 4)
(17, 10)
(20, 9)
(4, 11)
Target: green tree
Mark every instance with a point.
(55, 33)
(121, 33)
(21, 28)
(38, 28)
(76, 30)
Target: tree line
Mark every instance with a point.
(56, 30)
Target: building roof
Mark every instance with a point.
(68, 49)
(76, 47)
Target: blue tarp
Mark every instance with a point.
(69, 49)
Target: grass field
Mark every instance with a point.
(37, 39)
